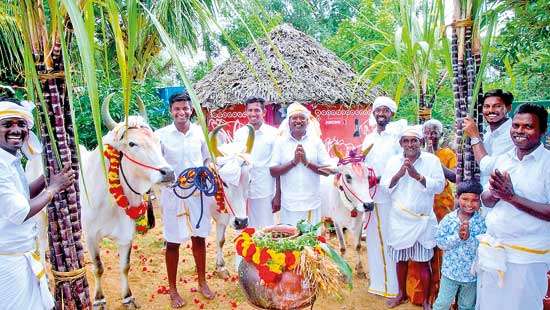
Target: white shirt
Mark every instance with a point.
(300, 186)
(262, 183)
(412, 217)
(498, 141)
(385, 146)
(16, 234)
(183, 150)
(530, 179)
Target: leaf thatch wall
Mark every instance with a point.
(292, 67)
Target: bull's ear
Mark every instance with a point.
(337, 151)
(250, 140)
(367, 150)
(213, 141)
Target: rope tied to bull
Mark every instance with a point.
(195, 179)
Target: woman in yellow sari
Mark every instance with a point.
(443, 204)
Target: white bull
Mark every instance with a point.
(345, 199)
(233, 164)
(141, 166)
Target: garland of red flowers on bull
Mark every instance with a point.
(136, 213)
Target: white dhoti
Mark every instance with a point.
(260, 214)
(524, 288)
(382, 273)
(407, 228)
(182, 217)
(504, 285)
(293, 217)
(23, 283)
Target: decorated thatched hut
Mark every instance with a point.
(289, 66)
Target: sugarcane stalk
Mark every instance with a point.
(66, 250)
(423, 115)
(466, 63)
(457, 96)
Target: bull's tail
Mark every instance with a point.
(150, 212)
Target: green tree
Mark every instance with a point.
(358, 39)
(398, 46)
(521, 55)
(319, 18)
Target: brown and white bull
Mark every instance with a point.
(345, 199)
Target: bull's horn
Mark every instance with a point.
(105, 114)
(250, 140)
(367, 150)
(337, 152)
(142, 110)
(214, 142)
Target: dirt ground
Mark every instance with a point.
(148, 276)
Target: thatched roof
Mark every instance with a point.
(316, 74)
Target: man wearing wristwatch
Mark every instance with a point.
(299, 158)
(412, 178)
(496, 138)
(514, 254)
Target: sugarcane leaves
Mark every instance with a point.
(340, 262)
(10, 43)
(485, 45)
(88, 67)
(123, 62)
(172, 50)
(509, 71)
(259, 50)
(399, 89)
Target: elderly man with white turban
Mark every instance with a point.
(299, 157)
(23, 284)
(385, 144)
(413, 178)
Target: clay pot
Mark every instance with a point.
(291, 292)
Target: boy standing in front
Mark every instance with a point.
(456, 236)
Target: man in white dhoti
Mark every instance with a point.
(262, 186)
(514, 255)
(23, 284)
(413, 178)
(385, 144)
(299, 157)
(184, 146)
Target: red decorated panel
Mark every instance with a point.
(343, 126)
